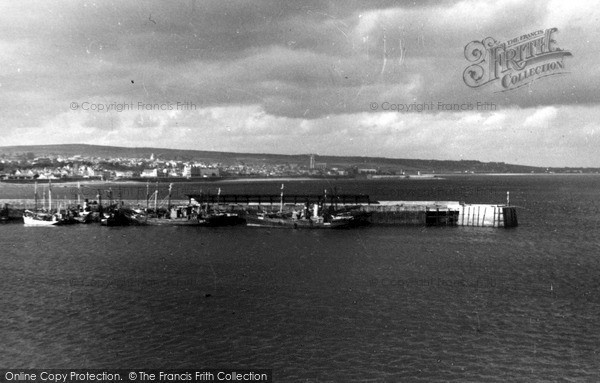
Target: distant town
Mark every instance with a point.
(60, 162)
(81, 167)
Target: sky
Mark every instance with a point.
(298, 77)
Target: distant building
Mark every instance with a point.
(367, 171)
(197, 172)
(18, 175)
(149, 173)
(320, 165)
(47, 176)
(187, 171)
(123, 174)
(209, 172)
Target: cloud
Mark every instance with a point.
(292, 76)
(541, 118)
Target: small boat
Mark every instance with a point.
(31, 218)
(354, 215)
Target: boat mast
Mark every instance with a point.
(100, 209)
(78, 193)
(281, 201)
(35, 196)
(147, 197)
(49, 195)
(156, 200)
(169, 200)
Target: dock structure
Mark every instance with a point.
(272, 199)
(441, 213)
(409, 213)
(487, 215)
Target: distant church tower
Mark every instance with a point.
(152, 157)
(311, 164)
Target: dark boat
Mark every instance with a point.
(177, 216)
(319, 219)
(4, 214)
(121, 217)
(281, 220)
(195, 216)
(316, 217)
(220, 218)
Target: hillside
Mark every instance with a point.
(392, 164)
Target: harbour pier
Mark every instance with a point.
(385, 213)
(409, 213)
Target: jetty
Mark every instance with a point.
(416, 213)
(379, 212)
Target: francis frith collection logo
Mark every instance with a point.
(516, 62)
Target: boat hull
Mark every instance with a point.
(31, 221)
(211, 220)
(225, 219)
(172, 222)
(295, 223)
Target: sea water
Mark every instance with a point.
(378, 304)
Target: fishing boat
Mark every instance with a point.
(196, 214)
(172, 216)
(32, 218)
(295, 221)
(214, 215)
(221, 218)
(176, 216)
(42, 217)
(316, 216)
(119, 216)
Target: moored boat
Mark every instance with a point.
(319, 219)
(121, 217)
(220, 218)
(283, 220)
(195, 216)
(31, 218)
(177, 216)
(4, 214)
